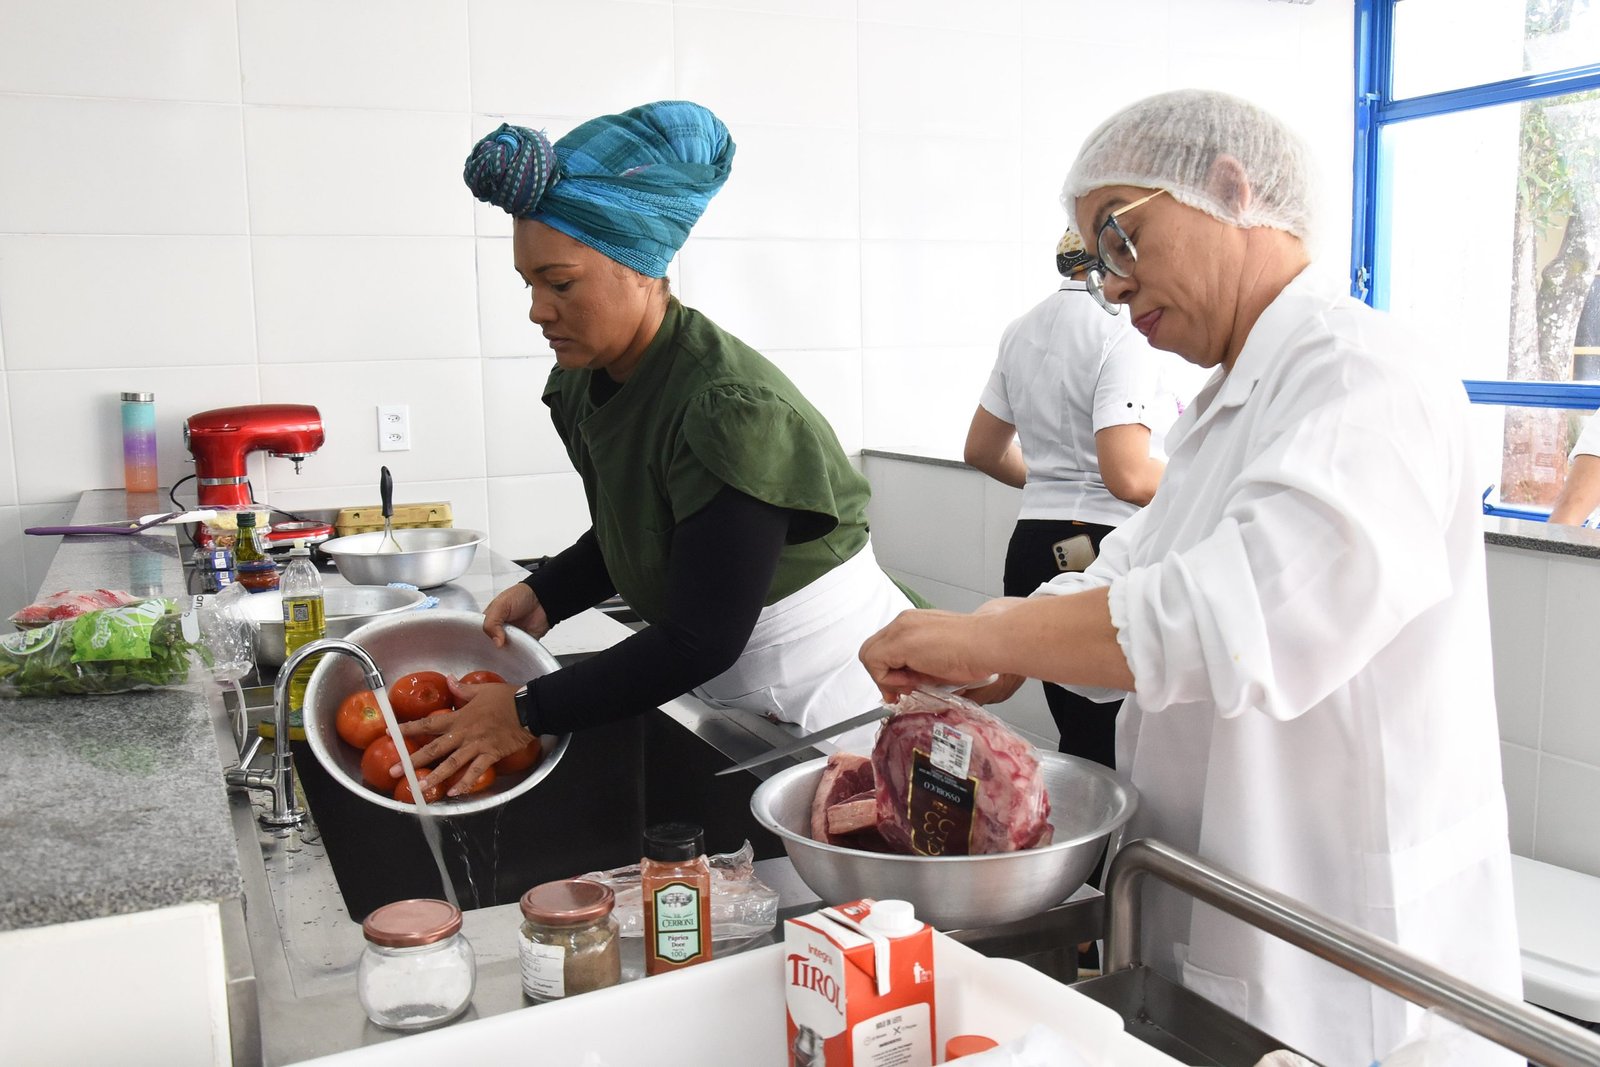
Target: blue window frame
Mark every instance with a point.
(1377, 113)
(1377, 110)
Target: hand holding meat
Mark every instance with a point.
(925, 649)
(484, 731)
(516, 606)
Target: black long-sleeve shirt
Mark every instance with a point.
(719, 571)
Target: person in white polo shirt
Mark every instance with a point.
(1580, 493)
(1067, 417)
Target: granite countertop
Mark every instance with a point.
(1542, 537)
(116, 804)
(112, 804)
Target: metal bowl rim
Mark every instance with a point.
(514, 636)
(760, 805)
(333, 547)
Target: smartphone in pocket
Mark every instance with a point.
(1074, 553)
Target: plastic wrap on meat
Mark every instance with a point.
(952, 779)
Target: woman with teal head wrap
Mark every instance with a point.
(724, 510)
(629, 185)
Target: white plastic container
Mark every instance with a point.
(731, 1011)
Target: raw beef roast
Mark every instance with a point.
(844, 809)
(952, 779)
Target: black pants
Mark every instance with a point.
(1086, 728)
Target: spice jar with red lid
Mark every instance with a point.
(416, 970)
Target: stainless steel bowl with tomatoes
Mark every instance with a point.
(414, 652)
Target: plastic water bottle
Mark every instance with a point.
(303, 621)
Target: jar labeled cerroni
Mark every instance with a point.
(568, 941)
(416, 970)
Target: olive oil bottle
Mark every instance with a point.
(304, 621)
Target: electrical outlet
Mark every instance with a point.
(394, 427)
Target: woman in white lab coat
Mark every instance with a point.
(1300, 614)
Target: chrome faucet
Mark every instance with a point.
(279, 779)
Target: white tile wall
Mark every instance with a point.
(1571, 701)
(938, 293)
(161, 49)
(520, 438)
(537, 515)
(120, 166)
(778, 294)
(770, 68)
(1519, 768)
(936, 392)
(941, 81)
(1568, 829)
(337, 171)
(396, 54)
(768, 196)
(8, 465)
(558, 58)
(940, 201)
(365, 298)
(78, 302)
(1517, 589)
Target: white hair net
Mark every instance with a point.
(1183, 142)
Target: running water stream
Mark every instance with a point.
(430, 829)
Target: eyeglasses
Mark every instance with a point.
(1115, 253)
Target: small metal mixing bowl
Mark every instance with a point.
(345, 608)
(451, 642)
(1087, 804)
(427, 557)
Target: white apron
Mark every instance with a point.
(802, 663)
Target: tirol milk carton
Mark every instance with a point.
(858, 986)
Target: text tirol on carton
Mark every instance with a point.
(858, 986)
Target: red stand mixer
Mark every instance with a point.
(221, 439)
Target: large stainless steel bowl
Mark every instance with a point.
(427, 557)
(452, 642)
(346, 607)
(1087, 803)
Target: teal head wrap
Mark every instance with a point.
(630, 186)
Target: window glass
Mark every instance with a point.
(1493, 235)
(1451, 44)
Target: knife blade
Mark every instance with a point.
(810, 739)
(882, 711)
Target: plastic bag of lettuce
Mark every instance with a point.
(152, 644)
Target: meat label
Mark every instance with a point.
(952, 750)
(940, 808)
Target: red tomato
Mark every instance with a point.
(418, 693)
(480, 677)
(358, 720)
(379, 757)
(435, 793)
(521, 761)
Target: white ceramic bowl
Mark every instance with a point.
(427, 557)
(1087, 803)
(451, 642)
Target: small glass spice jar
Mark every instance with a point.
(568, 941)
(416, 970)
